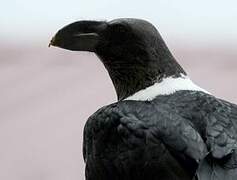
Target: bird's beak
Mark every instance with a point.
(51, 43)
(79, 36)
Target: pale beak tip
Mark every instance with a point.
(51, 43)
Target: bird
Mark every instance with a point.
(163, 126)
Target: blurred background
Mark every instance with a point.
(48, 93)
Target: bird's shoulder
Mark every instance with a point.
(143, 122)
(110, 116)
(105, 129)
(113, 114)
(220, 118)
(221, 127)
(214, 118)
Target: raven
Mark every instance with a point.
(163, 126)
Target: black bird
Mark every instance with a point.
(163, 127)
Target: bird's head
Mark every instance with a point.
(132, 51)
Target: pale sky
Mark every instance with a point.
(212, 19)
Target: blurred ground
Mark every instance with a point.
(47, 94)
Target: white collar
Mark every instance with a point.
(167, 86)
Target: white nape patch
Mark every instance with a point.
(167, 86)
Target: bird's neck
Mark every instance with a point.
(134, 71)
(128, 79)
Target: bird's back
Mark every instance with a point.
(137, 140)
(111, 151)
